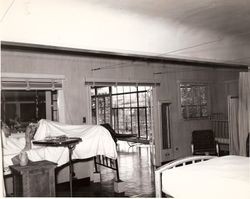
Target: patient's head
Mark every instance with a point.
(31, 130)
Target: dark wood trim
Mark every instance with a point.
(27, 47)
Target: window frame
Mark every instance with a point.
(194, 83)
(137, 108)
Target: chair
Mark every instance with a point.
(203, 143)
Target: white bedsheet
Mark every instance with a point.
(224, 178)
(96, 140)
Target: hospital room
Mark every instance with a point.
(123, 98)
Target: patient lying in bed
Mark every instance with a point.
(96, 140)
(29, 134)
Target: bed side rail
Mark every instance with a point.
(173, 164)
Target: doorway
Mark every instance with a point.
(127, 108)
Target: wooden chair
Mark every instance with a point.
(203, 143)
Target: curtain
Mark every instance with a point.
(89, 105)
(61, 106)
(233, 125)
(244, 110)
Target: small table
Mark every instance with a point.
(69, 142)
(36, 179)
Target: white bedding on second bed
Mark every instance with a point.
(96, 140)
(224, 178)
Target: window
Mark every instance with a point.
(194, 100)
(126, 108)
(20, 107)
(28, 98)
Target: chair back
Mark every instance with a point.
(203, 139)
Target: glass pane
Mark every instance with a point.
(142, 99)
(133, 89)
(100, 102)
(93, 103)
(114, 89)
(198, 111)
(103, 90)
(114, 101)
(134, 121)
(186, 96)
(204, 111)
(121, 120)
(115, 119)
(141, 88)
(127, 121)
(126, 89)
(133, 100)
(18, 107)
(101, 110)
(120, 100)
(149, 119)
(148, 88)
(196, 94)
(204, 94)
(148, 98)
(107, 110)
(143, 130)
(194, 111)
(119, 89)
(126, 100)
(94, 116)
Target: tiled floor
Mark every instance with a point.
(136, 171)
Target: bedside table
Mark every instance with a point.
(34, 180)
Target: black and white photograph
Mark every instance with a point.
(125, 98)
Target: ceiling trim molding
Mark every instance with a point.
(7, 45)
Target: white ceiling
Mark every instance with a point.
(216, 30)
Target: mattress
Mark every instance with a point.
(223, 177)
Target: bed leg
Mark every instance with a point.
(119, 186)
(117, 171)
(96, 174)
(96, 170)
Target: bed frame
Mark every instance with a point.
(98, 160)
(108, 163)
(172, 165)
